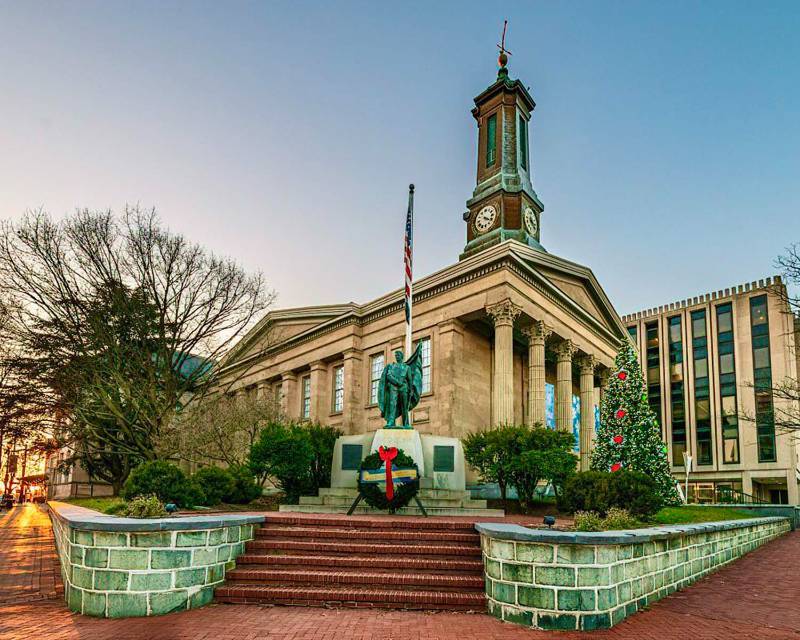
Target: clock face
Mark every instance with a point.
(531, 223)
(485, 219)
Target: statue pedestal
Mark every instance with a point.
(406, 439)
(440, 459)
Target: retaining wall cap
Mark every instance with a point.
(89, 520)
(517, 532)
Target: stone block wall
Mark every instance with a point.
(121, 567)
(558, 580)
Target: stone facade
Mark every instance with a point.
(120, 567)
(554, 580)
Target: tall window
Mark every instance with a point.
(426, 364)
(762, 379)
(676, 399)
(523, 142)
(491, 140)
(376, 364)
(702, 399)
(632, 333)
(727, 384)
(306, 408)
(653, 370)
(338, 389)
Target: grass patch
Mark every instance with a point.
(689, 514)
(108, 504)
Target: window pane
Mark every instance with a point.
(698, 324)
(426, 364)
(491, 140)
(338, 389)
(761, 358)
(376, 369)
(730, 450)
(701, 368)
(758, 310)
(724, 318)
(306, 412)
(726, 364)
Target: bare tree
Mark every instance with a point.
(221, 429)
(119, 321)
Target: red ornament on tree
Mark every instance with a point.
(620, 414)
(616, 466)
(622, 374)
(617, 439)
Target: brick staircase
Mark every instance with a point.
(437, 502)
(384, 562)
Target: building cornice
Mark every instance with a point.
(518, 258)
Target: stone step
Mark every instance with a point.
(408, 511)
(352, 596)
(260, 544)
(412, 563)
(376, 576)
(407, 536)
(380, 520)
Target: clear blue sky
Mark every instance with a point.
(665, 142)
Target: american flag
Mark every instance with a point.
(408, 258)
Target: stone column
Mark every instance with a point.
(564, 352)
(587, 365)
(320, 399)
(353, 413)
(503, 315)
(289, 406)
(537, 333)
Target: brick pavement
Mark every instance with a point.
(28, 562)
(754, 598)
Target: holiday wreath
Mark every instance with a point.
(398, 491)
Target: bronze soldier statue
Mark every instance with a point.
(400, 389)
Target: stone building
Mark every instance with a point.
(499, 328)
(710, 363)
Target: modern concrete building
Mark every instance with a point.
(710, 363)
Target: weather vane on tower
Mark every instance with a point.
(502, 59)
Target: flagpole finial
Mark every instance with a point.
(411, 187)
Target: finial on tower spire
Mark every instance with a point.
(502, 59)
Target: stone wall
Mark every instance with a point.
(561, 580)
(122, 567)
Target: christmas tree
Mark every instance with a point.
(629, 436)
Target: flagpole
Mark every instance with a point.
(408, 260)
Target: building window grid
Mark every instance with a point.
(491, 140)
(702, 395)
(653, 369)
(762, 379)
(376, 365)
(676, 386)
(727, 384)
(338, 389)
(425, 355)
(306, 408)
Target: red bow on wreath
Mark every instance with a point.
(387, 455)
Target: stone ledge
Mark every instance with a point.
(519, 533)
(88, 520)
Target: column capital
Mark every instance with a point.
(352, 352)
(537, 331)
(604, 374)
(565, 350)
(319, 365)
(289, 375)
(503, 312)
(587, 363)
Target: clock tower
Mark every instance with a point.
(503, 205)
